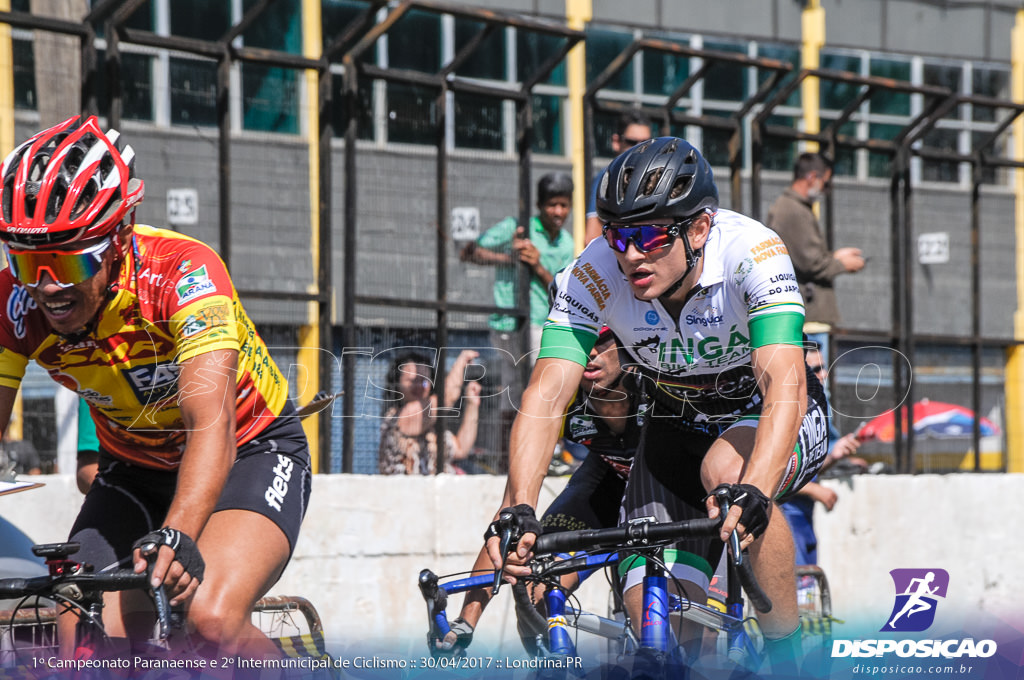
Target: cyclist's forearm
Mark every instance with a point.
(207, 388)
(204, 471)
(534, 435)
(773, 446)
(784, 389)
(477, 599)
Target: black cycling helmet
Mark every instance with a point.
(660, 178)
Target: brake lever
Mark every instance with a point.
(160, 599)
(504, 541)
(722, 498)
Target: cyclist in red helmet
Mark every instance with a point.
(198, 453)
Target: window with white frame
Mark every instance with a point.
(423, 41)
(173, 88)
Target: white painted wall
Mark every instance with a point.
(366, 538)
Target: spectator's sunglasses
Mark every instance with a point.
(66, 267)
(646, 237)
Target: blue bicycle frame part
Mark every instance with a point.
(654, 627)
(741, 647)
(436, 593)
(559, 640)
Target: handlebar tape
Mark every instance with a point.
(588, 539)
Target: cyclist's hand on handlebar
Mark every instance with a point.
(176, 562)
(458, 638)
(515, 526)
(748, 511)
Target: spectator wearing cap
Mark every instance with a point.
(540, 249)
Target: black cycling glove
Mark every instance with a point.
(520, 518)
(463, 636)
(185, 550)
(755, 506)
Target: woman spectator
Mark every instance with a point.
(408, 438)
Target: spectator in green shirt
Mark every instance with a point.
(541, 249)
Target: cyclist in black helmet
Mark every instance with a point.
(706, 305)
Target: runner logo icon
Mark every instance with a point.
(917, 593)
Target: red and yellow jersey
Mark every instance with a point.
(174, 301)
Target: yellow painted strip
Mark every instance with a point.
(309, 334)
(577, 14)
(1015, 356)
(14, 427)
(6, 85)
(813, 39)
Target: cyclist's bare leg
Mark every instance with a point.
(772, 555)
(475, 601)
(245, 554)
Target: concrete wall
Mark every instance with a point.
(366, 538)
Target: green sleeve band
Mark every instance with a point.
(784, 328)
(573, 344)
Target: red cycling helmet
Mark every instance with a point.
(66, 184)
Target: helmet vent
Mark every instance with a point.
(627, 175)
(651, 181)
(106, 165)
(57, 195)
(6, 198)
(85, 199)
(680, 187)
(670, 148)
(74, 160)
(31, 198)
(38, 167)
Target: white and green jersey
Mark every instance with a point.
(747, 298)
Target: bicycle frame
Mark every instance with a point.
(557, 640)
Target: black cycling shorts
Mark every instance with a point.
(270, 476)
(665, 484)
(590, 500)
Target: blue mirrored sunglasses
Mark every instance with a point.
(646, 237)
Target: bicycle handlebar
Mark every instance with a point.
(88, 582)
(79, 586)
(758, 597)
(643, 534)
